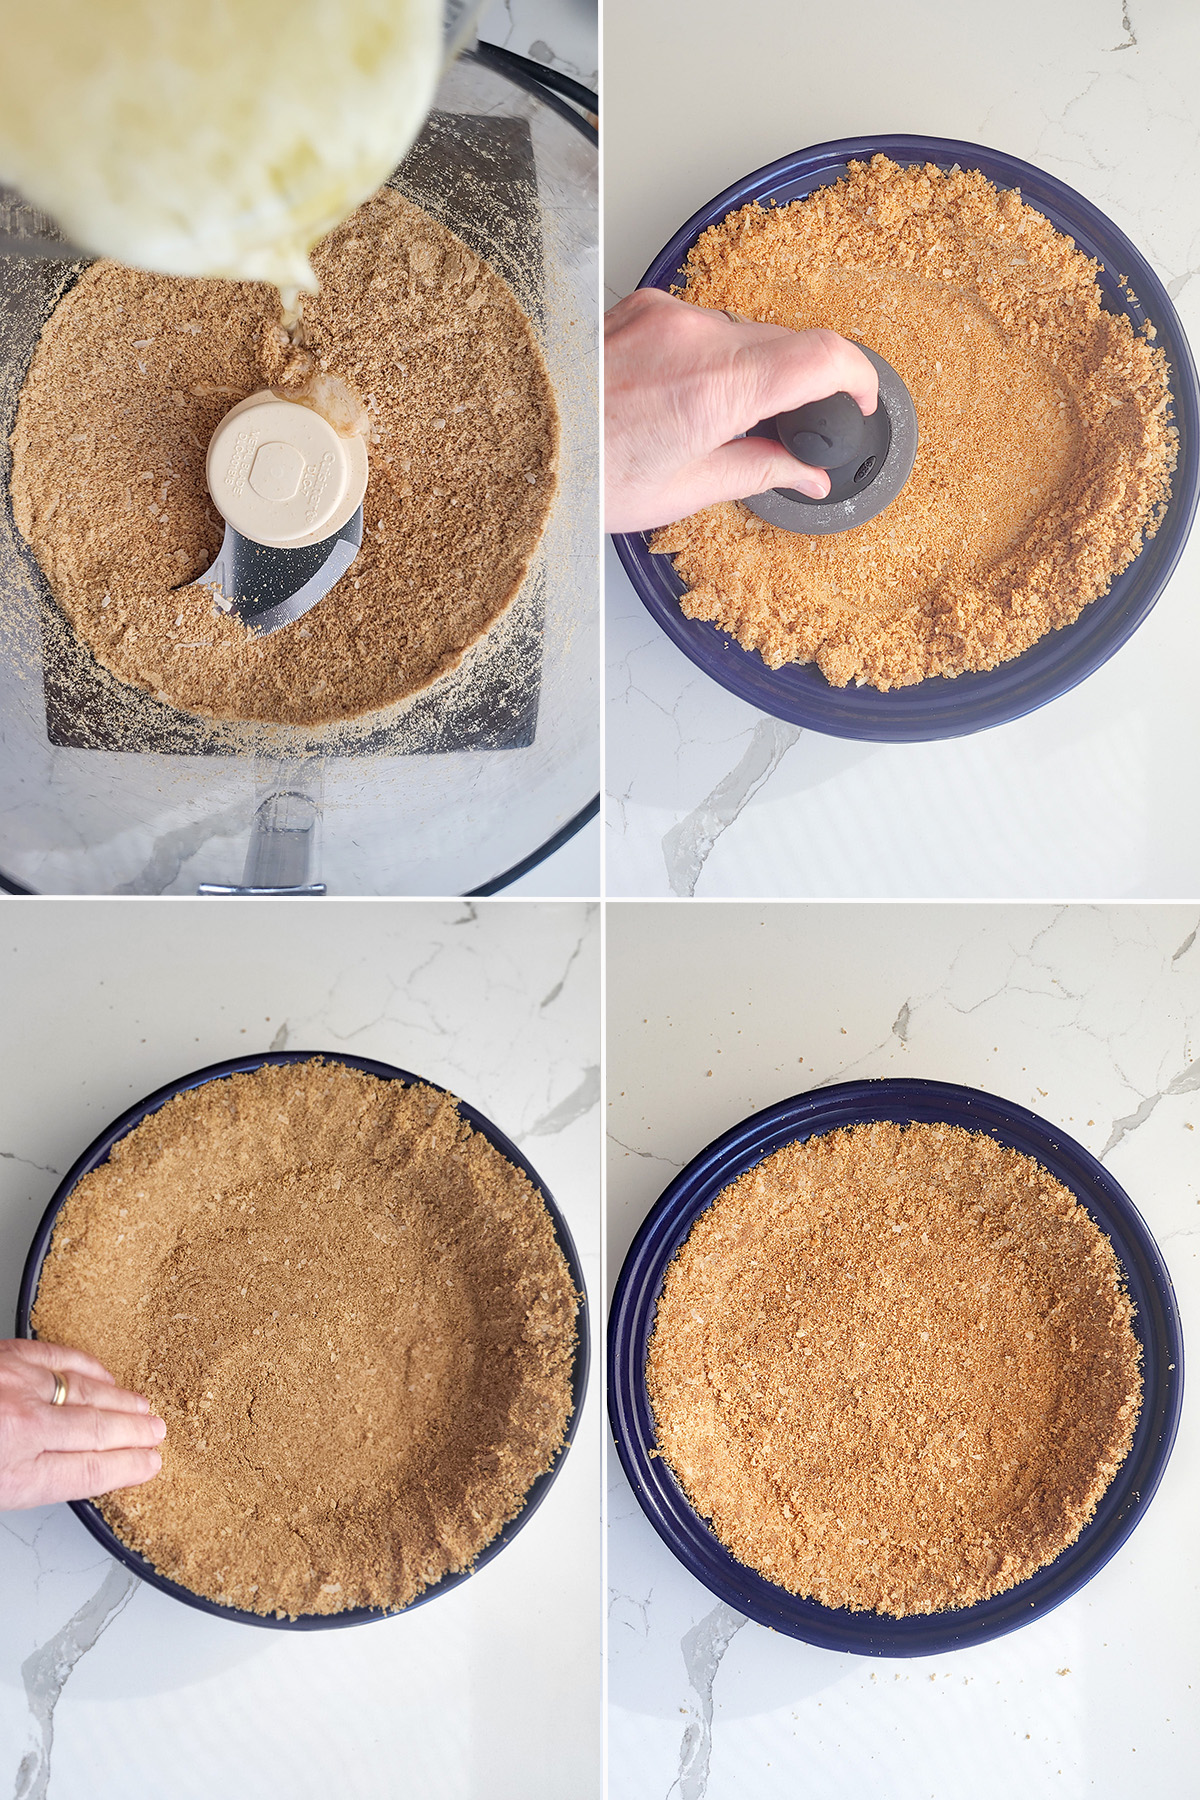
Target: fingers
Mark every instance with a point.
(81, 1474)
(82, 1390)
(56, 1356)
(681, 385)
(793, 367)
(628, 312)
(752, 465)
(91, 1428)
(747, 466)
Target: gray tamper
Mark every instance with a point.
(868, 458)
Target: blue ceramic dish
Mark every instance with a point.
(940, 707)
(1156, 1324)
(99, 1152)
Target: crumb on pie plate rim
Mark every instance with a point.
(941, 706)
(690, 1538)
(98, 1152)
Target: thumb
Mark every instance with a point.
(751, 465)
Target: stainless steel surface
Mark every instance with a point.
(441, 795)
(42, 249)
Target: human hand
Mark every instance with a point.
(680, 383)
(100, 1437)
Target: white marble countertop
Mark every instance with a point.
(110, 1690)
(562, 34)
(1089, 1016)
(1086, 796)
(572, 870)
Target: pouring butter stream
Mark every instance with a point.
(204, 137)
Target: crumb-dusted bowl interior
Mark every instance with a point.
(458, 788)
(1155, 1325)
(941, 707)
(98, 1153)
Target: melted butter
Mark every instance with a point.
(200, 137)
(336, 402)
(307, 384)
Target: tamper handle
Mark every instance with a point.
(826, 434)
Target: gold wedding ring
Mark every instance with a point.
(60, 1388)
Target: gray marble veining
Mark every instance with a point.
(688, 845)
(46, 1672)
(703, 1648)
(499, 1004)
(1082, 797)
(1089, 1016)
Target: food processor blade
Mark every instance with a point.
(268, 588)
(869, 459)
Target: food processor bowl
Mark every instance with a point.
(98, 1152)
(941, 706)
(460, 790)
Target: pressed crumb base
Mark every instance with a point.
(1045, 448)
(351, 1311)
(894, 1367)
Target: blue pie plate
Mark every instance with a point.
(689, 1537)
(941, 707)
(98, 1153)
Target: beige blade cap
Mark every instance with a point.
(281, 475)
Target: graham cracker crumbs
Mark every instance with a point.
(132, 374)
(352, 1313)
(894, 1367)
(1045, 443)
